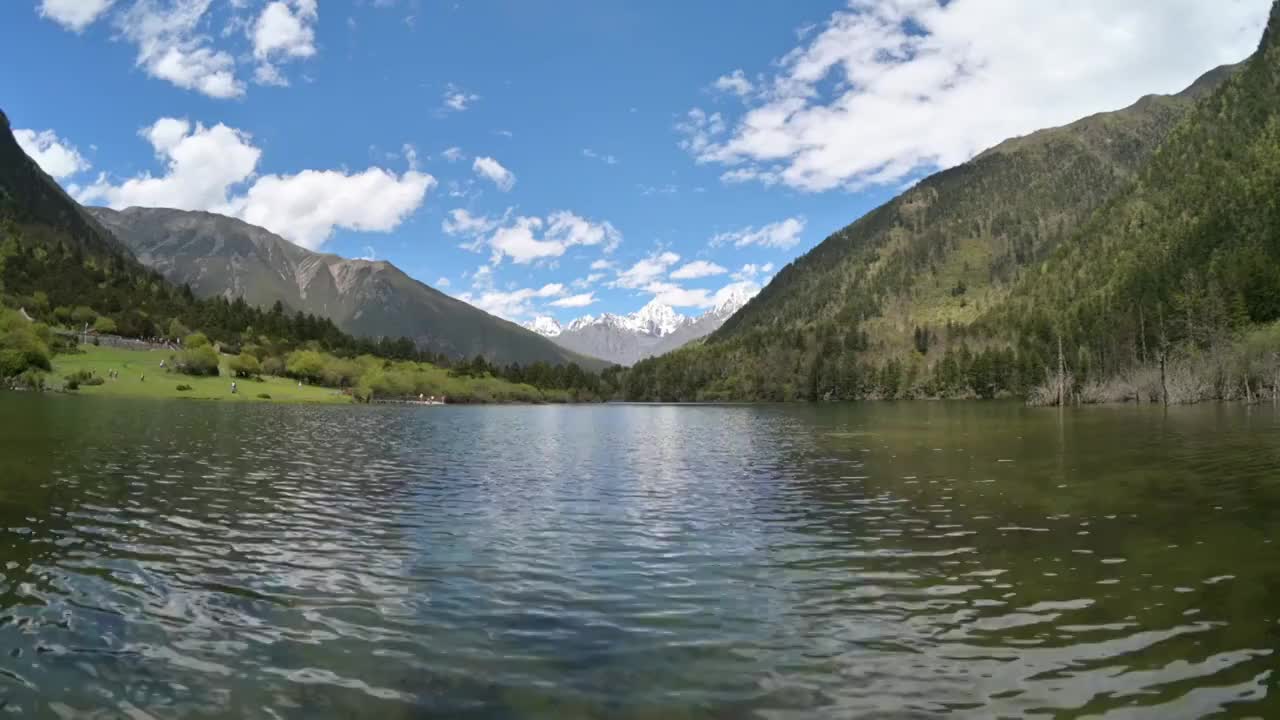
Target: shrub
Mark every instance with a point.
(82, 316)
(245, 365)
(273, 366)
(199, 361)
(177, 330)
(23, 345)
(82, 377)
(184, 388)
(105, 325)
(195, 341)
(264, 396)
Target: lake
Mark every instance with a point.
(188, 559)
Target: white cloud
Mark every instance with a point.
(647, 270)
(735, 82)
(886, 90)
(457, 99)
(781, 234)
(511, 305)
(601, 264)
(588, 281)
(74, 15)
(171, 48)
(604, 158)
(443, 282)
(206, 168)
(575, 301)
(526, 239)
(54, 155)
(462, 222)
(410, 154)
(678, 296)
(751, 271)
(308, 206)
(452, 154)
(283, 32)
(519, 241)
(697, 269)
(494, 172)
(570, 229)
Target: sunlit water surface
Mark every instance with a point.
(184, 559)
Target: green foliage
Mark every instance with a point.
(183, 388)
(195, 341)
(177, 330)
(23, 345)
(244, 365)
(200, 360)
(104, 325)
(264, 396)
(83, 315)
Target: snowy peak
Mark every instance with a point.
(546, 326)
(657, 319)
(732, 302)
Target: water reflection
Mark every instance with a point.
(874, 560)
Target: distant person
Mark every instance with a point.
(233, 388)
(142, 377)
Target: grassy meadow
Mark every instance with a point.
(132, 365)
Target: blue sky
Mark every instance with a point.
(566, 158)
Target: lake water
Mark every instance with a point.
(185, 559)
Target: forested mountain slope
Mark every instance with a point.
(909, 299)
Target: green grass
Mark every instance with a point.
(160, 383)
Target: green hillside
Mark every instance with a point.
(962, 286)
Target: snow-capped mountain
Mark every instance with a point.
(545, 325)
(652, 330)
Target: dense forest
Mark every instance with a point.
(1128, 256)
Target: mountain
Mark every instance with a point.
(626, 339)
(42, 209)
(874, 309)
(60, 266)
(222, 256)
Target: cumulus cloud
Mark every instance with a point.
(751, 271)
(74, 15)
(443, 282)
(54, 155)
(283, 31)
(885, 90)
(494, 172)
(678, 296)
(171, 48)
(781, 234)
(575, 301)
(646, 270)
(452, 154)
(589, 280)
(526, 239)
(601, 264)
(456, 99)
(513, 304)
(175, 39)
(570, 229)
(735, 82)
(213, 168)
(697, 269)
(462, 222)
